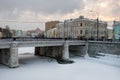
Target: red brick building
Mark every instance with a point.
(50, 25)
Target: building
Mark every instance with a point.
(110, 34)
(0, 35)
(116, 29)
(60, 30)
(24, 33)
(6, 33)
(50, 25)
(34, 33)
(51, 33)
(82, 28)
(37, 31)
(0, 32)
(0, 29)
(18, 33)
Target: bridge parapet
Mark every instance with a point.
(76, 42)
(104, 42)
(40, 43)
(4, 45)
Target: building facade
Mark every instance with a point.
(34, 33)
(0, 35)
(50, 25)
(50, 33)
(116, 29)
(18, 33)
(5, 32)
(110, 34)
(0, 32)
(82, 28)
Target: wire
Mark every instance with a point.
(22, 21)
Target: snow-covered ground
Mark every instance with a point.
(26, 50)
(41, 68)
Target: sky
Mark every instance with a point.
(29, 14)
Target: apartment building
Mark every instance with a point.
(82, 28)
(116, 29)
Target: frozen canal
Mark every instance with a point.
(40, 68)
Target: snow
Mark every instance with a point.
(42, 68)
(23, 50)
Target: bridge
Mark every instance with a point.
(46, 47)
(41, 42)
(54, 48)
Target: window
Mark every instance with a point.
(119, 32)
(80, 31)
(85, 24)
(81, 24)
(94, 32)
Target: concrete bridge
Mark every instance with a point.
(54, 48)
(44, 47)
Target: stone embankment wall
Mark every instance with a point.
(103, 47)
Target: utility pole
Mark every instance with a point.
(97, 29)
(64, 29)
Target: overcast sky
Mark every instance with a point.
(47, 10)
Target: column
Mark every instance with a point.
(13, 61)
(4, 56)
(65, 51)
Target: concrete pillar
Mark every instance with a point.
(13, 61)
(4, 56)
(9, 56)
(65, 51)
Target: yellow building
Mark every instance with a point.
(0, 35)
(110, 34)
(51, 33)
